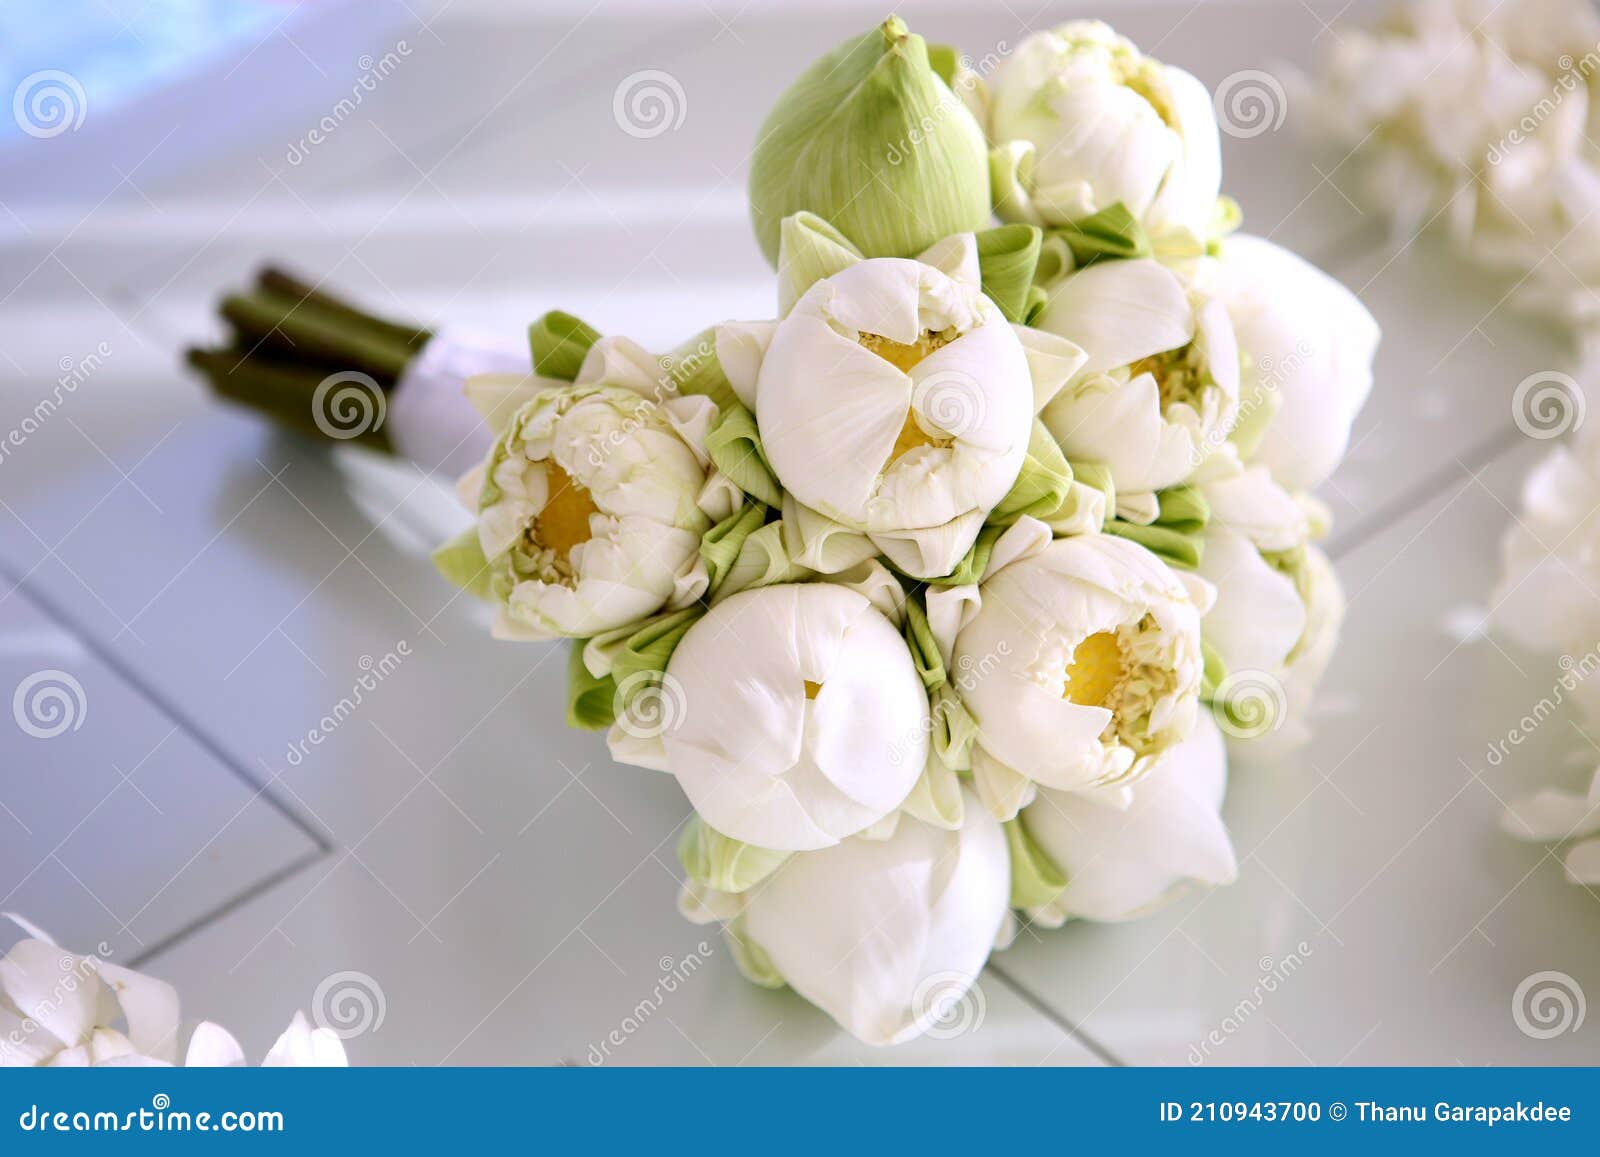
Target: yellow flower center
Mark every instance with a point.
(1096, 670)
(1177, 374)
(564, 521)
(902, 356)
(812, 689)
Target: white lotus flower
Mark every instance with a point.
(1555, 816)
(1309, 344)
(884, 935)
(1550, 553)
(1082, 121)
(592, 502)
(1081, 665)
(795, 717)
(59, 1008)
(1160, 389)
(1278, 608)
(895, 401)
(1122, 862)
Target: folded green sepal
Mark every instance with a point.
(462, 563)
(734, 444)
(752, 960)
(1213, 671)
(1175, 534)
(924, 650)
(1110, 235)
(1035, 880)
(591, 699)
(559, 343)
(1008, 257)
(721, 545)
(718, 861)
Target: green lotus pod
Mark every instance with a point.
(870, 139)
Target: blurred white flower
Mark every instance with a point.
(1080, 120)
(1554, 816)
(799, 719)
(1081, 666)
(895, 401)
(593, 499)
(1550, 553)
(1122, 862)
(1309, 345)
(884, 935)
(1160, 389)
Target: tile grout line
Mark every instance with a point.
(1039, 1005)
(175, 714)
(252, 892)
(1502, 441)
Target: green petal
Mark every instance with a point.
(720, 546)
(462, 563)
(692, 369)
(1111, 234)
(735, 446)
(924, 650)
(1035, 880)
(753, 962)
(591, 701)
(726, 864)
(809, 249)
(1044, 486)
(559, 343)
(1008, 257)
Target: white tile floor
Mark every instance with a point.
(215, 588)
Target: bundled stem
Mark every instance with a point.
(287, 338)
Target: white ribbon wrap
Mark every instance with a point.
(430, 420)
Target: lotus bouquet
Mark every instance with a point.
(940, 591)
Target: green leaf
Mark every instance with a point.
(559, 343)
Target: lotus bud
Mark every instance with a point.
(873, 141)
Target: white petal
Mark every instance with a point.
(1121, 863)
(886, 961)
